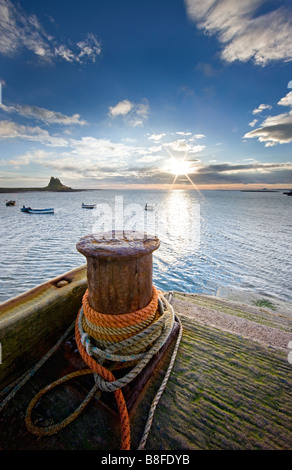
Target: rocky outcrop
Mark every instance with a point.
(54, 185)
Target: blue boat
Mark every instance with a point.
(29, 210)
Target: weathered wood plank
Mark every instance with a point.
(30, 324)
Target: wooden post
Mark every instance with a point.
(119, 270)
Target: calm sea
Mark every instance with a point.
(208, 240)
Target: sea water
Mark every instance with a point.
(208, 239)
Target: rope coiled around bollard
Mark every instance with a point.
(105, 338)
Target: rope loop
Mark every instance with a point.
(130, 340)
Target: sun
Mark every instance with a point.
(179, 167)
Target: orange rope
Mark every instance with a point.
(104, 320)
(142, 318)
(107, 375)
(121, 319)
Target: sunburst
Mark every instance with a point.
(179, 167)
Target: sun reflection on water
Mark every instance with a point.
(179, 227)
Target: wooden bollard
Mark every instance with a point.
(119, 270)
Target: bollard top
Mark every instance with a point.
(117, 244)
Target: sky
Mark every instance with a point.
(146, 94)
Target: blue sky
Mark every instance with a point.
(111, 93)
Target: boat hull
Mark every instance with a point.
(31, 323)
(37, 211)
(88, 206)
(49, 211)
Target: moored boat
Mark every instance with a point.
(29, 210)
(288, 193)
(10, 203)
(88, 206)
(149, 207)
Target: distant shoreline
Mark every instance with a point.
(27, 190)
(259, 190)
(54, 186)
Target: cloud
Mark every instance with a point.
(261, 108)
(274, 130)
(156, 136)
(91, 158)
(116, 162)
(207, 69)
(149, 159)
(134, 113)
(255, 172)
(156, 148)
(183, 133)
(181, 145)
(286, 100)
(10, 130)
(122, 108)
(103, 149)
(89, 48)
(18, 31)
(244, 32)
(44, 115)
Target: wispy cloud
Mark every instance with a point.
(245, 33)
(45, 115)
(261, 108)
(18, 31)
(183, 133)
(156, 137)
(207, 69)
(11, 131)
(89, 157)
(181, 145)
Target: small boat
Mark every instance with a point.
(288, 193)
(149, 207)
(29, 210)
(10, 203)
(88, 206)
